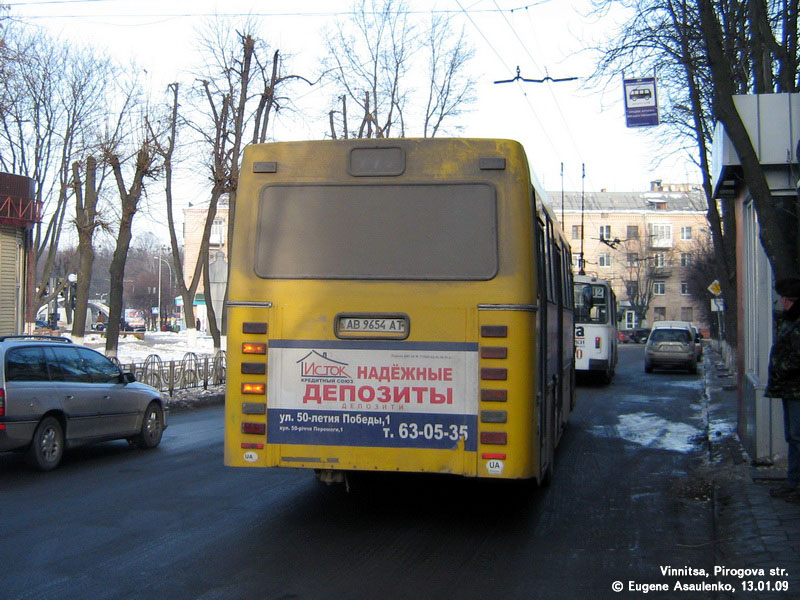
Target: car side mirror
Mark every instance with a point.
(128, 378)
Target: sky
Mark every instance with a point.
(558, 123)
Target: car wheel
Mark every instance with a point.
(693, 369)
(47, 446)
(648, 368)
(152, 427)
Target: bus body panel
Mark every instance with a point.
(429, 399)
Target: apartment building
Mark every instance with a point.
(640, 242)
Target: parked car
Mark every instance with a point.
(696, 335)
(670, 347)
(623, 337)
(639, 336)
(56, 395)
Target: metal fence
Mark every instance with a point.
(189, 372)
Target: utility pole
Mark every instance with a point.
(582, 270)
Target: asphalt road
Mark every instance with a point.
(174, 523)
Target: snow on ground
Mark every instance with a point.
(167, 345)
(652, 431)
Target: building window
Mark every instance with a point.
(576, 261)
(604, 260)
(632, 288)
(630, 319)
(576, 232)
(660, 235)
(658, 260)
(659, 313)
(686, 259)
(684, 290)
(687, 314)
(605, 232)
(218, 232)
(686, 233)
(633, 232)
(633, 259)
(659, 288)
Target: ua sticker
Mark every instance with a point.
(250, 456)
(495, 467)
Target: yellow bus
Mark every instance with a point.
(397, 305)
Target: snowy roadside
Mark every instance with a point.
(192, 398)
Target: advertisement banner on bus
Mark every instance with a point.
(374, 394)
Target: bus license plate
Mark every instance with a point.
(371, 326)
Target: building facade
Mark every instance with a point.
(194, 220)
(19, 212)
(773, 124)
(643, 243)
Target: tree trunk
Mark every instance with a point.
(130, 201)
(86, 222)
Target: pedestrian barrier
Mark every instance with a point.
(190, 372)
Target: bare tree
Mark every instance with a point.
(780, 243)
(129, 195)
(369, 59)
(450, 88)
(239, 89)
(54, 101)
(223, 95)
(666, 36)
(641, 271)
(371, 65)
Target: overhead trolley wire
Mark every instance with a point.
(544, 80)
(500, 58)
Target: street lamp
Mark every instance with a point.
(160, 260)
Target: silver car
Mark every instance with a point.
(670, 347)
(56, 395)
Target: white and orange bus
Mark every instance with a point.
(397, 305)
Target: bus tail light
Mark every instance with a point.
(254, 428)
(254, 348)
(497, 438)
(493, 456)
(253, 388)
(597, 342)
(252, 446)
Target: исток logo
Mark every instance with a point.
(319, 365)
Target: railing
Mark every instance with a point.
(189, 372)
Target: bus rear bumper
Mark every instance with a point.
(598, 364)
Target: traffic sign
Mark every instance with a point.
(715, 288)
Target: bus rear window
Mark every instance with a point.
(413, 231)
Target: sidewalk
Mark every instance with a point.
(752, 529)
